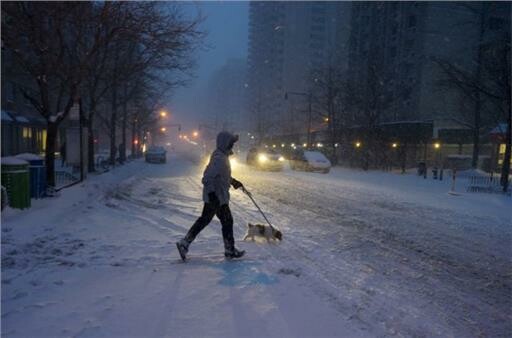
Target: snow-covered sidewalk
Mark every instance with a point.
(364, 254)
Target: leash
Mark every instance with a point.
(248, 193)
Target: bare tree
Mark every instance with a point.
(487, 83)
(327, 89)
(54, 43)
(366, 103)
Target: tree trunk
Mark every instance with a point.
(90, 141)
(113, 121)
(476, 134)
(122, 148)
(478, 104)
(134, 137)
(51, 137)
(505, 168)
(140, 137)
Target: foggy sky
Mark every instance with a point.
(226, 24)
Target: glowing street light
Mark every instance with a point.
(273, 146)
(195, 133)
(394, 145)
(304, 145)
(437, 145)
(163, 113)
(326, 119)
(282, 145)
(163, 129)
(358, 144)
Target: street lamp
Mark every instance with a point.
(195, 133)
(394, 145)
(163, 129)
(358, 144)
(437, 145)
(326, 119)
(163, 113)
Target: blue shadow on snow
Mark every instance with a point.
(240, 273)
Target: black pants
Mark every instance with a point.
(223, 214)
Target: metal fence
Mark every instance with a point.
(65, 179)
(482, 183)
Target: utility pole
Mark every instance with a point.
(310, 99)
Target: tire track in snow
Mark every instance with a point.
(386, 241)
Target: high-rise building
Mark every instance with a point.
(401, 42)
(287, 42)
(227, 94)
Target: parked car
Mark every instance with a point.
(156, 154)
(309, 160)
(265, 159)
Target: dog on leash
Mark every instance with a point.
(262, 231)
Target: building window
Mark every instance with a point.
(13, 93)
(27, 132)
(495, 24)
(412, 21)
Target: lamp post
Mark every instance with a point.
(310, 99)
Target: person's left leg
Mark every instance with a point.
(226, 219)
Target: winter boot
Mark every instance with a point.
(234, 253)
(182, 246)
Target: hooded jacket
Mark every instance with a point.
(217, 175)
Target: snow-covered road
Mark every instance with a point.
(364, 254)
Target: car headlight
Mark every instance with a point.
(281, 159)
(262, 158)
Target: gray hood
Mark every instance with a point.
(224, 141)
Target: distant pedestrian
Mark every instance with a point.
(216, 183)
(63, 154)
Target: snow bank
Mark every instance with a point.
(29, 157)
(11, 160)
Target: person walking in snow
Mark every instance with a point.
(216, 183)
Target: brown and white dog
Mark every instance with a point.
(255, 231)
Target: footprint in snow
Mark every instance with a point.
(289, 271)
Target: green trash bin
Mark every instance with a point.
(16, 179)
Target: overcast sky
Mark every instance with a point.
(226, 24)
